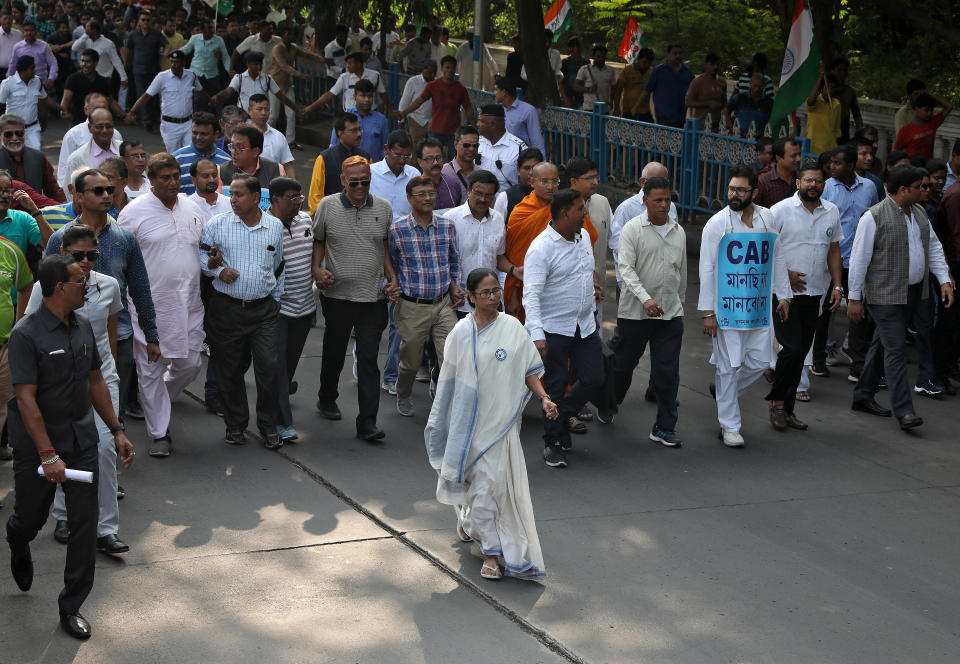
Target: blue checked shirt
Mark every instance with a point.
(188, 154)
(425, 260)
(120, 258)
(256, 253)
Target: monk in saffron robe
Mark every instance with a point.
(528, 219)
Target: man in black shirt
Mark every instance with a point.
(80, 84)
(143, 59)
(55, 370)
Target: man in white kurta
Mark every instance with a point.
(168, 228)
(740, 355)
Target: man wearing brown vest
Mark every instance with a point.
(894, 252)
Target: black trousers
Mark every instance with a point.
(291, 336)
(34, 496)
(665, 338)
(858, 339)
(946, 335)
(369, 319)
(795, 335)
(241, 332)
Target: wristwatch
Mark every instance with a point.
(117, 428)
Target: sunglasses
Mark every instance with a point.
(82, 283)
(14, 132)
(100, 191)
(470, 145)
(358, 183)
(91, 255)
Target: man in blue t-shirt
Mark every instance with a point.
(668, 84)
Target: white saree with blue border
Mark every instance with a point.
(473, 439)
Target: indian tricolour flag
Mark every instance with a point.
(801, 67)
(558, 18)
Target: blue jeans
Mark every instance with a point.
(392, 367)
(585, 356)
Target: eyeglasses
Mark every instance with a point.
(545, 181)
(432, 160)
(100, 191)
(481, 196)
(91, 255)
(405, 157)
(591, 178)
(82, 283)
(295, 199)
(739, 191)
(813, 180)
(237, 150)
(425, 194)
(488, 292)
(470, 145)
(14, 132)
(353, 184)
(103, 127)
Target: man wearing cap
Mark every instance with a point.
(499, 149)
(252, 82)
(20, 95)
(449, 96)
(175, 87)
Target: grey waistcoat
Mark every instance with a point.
(888, 274)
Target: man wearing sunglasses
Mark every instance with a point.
(25, 163)
(456, 172)
(102, 145)
(350, 261)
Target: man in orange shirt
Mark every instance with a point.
(918, 137)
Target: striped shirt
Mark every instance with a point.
(297, 299)
(426, 260)
(255, 252)
(354, 238)
(188, 154)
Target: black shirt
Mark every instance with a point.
(81, 86)
(58, 360)
(145, 49)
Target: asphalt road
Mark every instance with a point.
(839, 544)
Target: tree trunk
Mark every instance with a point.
(542, 85)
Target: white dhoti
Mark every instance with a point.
(175, 135)
(161, 384)
(741, 357)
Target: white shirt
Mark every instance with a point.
(627, 210)
(222, 205)
(558, 285)
(393, 188)
(176, 94)
(862, 252)
(254, 43)
(601, 80)
(247, 86)
(506, 150)
(805, 239)
(83, 157)
(22, 98)
(411, 92)
(728, 221)
(102, 301)
(275, 147)
(133, 193)
(109, 58)
(346, 82)
(339, 61)
(7, 41)
(479, 242)
(77, 136)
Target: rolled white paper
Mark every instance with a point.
(76, 475)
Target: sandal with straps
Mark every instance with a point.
(493, 573)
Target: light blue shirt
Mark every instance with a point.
(951, 178)
(524, 123)
(205, 60)
(385, 184)
(852, 202)
(375, 128)
(255, 252)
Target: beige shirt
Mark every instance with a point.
(653, 267)
(903, 117)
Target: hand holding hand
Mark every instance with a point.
(797, 281)
(324, 279)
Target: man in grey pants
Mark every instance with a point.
(893, 253)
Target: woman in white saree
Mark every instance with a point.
(490, 369)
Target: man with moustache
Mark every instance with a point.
(21, 94)
(101, 145)
(740, 355)
(79, 135)
(456, 172)
(24, 163)
(206, 183)
(430, 160)
(810, 233)
(325, 179)
(374, 124)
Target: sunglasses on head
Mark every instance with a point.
(358, 183)
(14, 132)
(91, 255)
(99, 191)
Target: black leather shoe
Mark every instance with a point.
(910, 421)
(121, 492)
(870, 406)
(21, 565)
(62, 532)
(371, 435)
(75, 625)
(111, 544)
(329, 410)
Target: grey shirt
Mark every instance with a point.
(355, 238)
(57, 359)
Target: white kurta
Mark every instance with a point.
(168, 240)
(473, 439)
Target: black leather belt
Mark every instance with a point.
(167, 118)
(30, 124)
(424, 300)
(246, 304)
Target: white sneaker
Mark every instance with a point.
(731, 438)
(389, 386)
(405, 406)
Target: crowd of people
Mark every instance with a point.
(484, 261)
